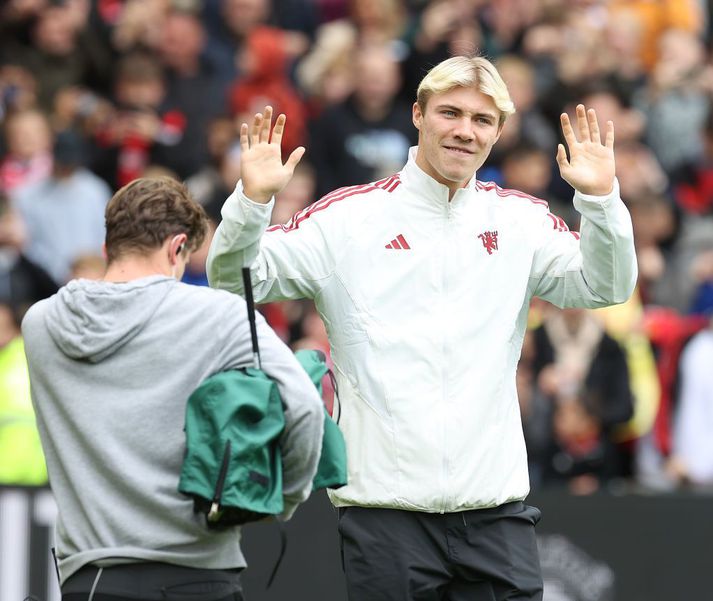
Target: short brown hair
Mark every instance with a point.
(144, 213)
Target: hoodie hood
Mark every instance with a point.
(93, 319)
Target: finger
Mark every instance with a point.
(561, 156)
(294, 158)
(567, 131)
(244, 143)
(593, 126)
(266, 124)
(582, 124)
(255, 129)
(279, 129)
(609, 139)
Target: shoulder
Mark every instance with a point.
(33, 322)
(528, 207)
(210, 299)
(343, 202)
(513, 198)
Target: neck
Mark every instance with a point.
(134, 268)
(452, 186)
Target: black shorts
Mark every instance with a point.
(479, 555)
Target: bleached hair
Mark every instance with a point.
(466, 72)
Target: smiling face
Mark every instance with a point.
(457, 130)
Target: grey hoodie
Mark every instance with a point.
(111, 367)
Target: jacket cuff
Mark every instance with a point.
(600, 200)
(238, 206)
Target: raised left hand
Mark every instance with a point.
(590, 168)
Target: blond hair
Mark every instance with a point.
(466, 72)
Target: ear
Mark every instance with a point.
(416, 116)
(104, 251)
(176, 246)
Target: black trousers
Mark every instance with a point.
(149, 581)
(479, 555)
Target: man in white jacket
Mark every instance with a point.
(423, 280)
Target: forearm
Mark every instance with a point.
(594, 269)
(237, 240)
(609, 265)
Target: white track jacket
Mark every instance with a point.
(425, 302)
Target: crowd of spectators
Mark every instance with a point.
(96, 93)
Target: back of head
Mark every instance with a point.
(144, 213)
(466, 72)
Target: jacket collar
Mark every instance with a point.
(419, 183)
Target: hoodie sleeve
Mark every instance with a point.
(595, 271)
(301, 440)
(286, 262)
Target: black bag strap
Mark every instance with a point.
(248, 288)
(250, 301)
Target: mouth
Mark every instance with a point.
(459, 150)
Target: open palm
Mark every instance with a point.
(261, 167)
(590, 168)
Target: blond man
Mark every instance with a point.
(423, 280)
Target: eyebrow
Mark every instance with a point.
(456, 109)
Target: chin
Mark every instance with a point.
(456, 178)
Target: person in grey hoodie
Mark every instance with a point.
(112, 364)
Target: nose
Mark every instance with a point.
(464, 129)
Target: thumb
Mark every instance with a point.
(295, 158)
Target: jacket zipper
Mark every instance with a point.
(444, 387)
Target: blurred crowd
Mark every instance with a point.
(96, 93)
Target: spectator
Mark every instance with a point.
(368, 136)
(18, 89)
(195, 272)
(63, 52)
(132, 24)
(28, 157)
(22, 282)
(142, 130)
(657, 17)
(21, 459)
(65, 213)
(677, 99)
(519, 76)
(583, 373)
(180, 45)
(325, 73)
(264, 65)
(693, 182)
(222, 136)
(702, 273)
(529, 169)
(236, 20)
(691, 462)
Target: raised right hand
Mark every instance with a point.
(261, 167)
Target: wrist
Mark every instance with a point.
(257, 196)
(597, 191)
